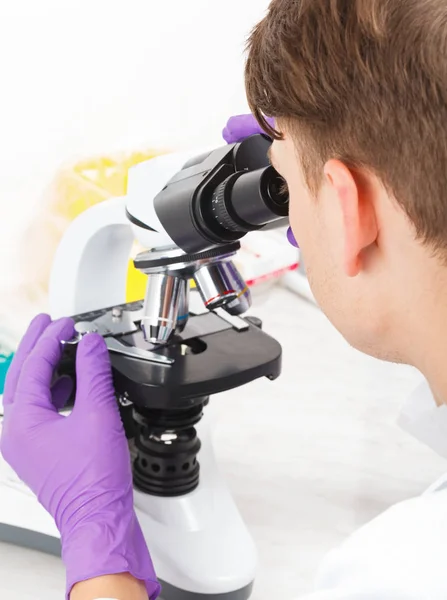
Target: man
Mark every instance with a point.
(358, 93)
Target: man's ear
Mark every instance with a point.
(358, 213)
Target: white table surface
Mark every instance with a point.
(309, 457)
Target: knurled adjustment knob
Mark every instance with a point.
(219, 205)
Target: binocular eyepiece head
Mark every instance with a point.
(219, 197)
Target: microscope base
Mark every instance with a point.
(35, 540)
(169, 592)
(199, 543)
(27, 538)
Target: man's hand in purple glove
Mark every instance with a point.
(77, 465)
(240, 127)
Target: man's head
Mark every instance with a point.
(358, 90)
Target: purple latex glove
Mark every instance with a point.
(240, 127)
(291, 238)
(78, 465)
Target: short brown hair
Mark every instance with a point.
(364, 81)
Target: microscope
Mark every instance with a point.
(186, 341)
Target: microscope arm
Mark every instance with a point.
(90, 266)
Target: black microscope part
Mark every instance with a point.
(166, 464)
(249, 200)
(146, 261)
(210, 357)
(220, 196)
(160, 405)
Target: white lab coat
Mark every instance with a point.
(402, 554)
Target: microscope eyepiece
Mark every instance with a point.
(278, 192)
(219, 196)
(249, 200)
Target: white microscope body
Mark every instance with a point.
(198, 541)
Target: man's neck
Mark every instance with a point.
(428, 351)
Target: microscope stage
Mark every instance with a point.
(214, 353)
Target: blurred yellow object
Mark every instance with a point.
(75, 188)
(94, 180)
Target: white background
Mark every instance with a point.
(80, 77)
